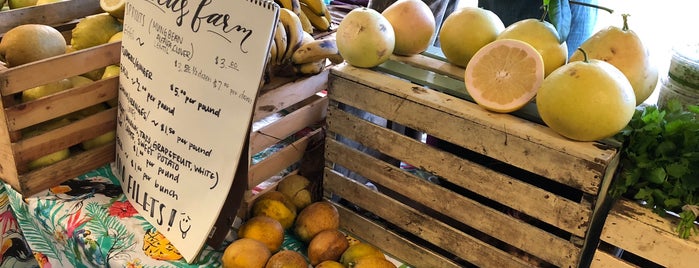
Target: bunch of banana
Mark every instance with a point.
(310, 57)
(288, 36)
(317, 13)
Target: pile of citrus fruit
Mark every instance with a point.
(290, 209)
(589, 96)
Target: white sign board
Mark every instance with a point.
(190, 73)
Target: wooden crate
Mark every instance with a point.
(634, 236)
(513, 193)
(60, 14)
(307, 103)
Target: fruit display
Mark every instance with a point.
(316, 226)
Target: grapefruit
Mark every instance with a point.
(542, 36)
(31, 42)
(586, 100)
(365, 38)
(467, 30)
(413, 24)
(504, 75)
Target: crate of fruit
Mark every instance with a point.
(506, 191)
(58, 96)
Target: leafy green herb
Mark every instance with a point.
(660, 162)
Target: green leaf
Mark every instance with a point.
(677, 170)
(656, 175)
(560, 16)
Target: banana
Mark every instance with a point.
(293, 5)
(316, 6)
(317, 20)
(294, 32)
(273, 53)
(307, 37)
(310, 68)
(280, 40)
(327, 14)
(305, 23)
(315, 51)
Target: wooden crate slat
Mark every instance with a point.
(50, 14)
(44, 109)
(640, 231)
(279, 161)
(605, 260)
(76, 165)
(483, 218)
(23, 77)
(401, 248)
(280, 98)
(419, 224)
(66, 136)
(521, 143)
(536, 202)
(289, 124)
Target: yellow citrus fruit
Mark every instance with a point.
(413, 25)
(287, 259)
(116, 37)
(45, 90)
(504, 75)
(316, 217)
(330, 264)
(13, 4)
(276, 206)
(50, 158)
(295, 188)
(365, 38)
(327, 245)
(264, 229)
(94, 30)
(245, 253)
(467, 30)
(360, 251)
(31, 42)
(44, 2)
(543, 37)
(373, 262)
(623, 48)
(111, 71)
(100, 140)
(114, 7)
(586, 100)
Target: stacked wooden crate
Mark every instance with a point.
(16, 151)
(509, 192)
(635, 236)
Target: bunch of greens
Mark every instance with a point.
(660, 162)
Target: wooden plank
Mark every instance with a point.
(64, 137)
(76, 165)
(420, 224)
(605, 260)
(61, 103)
(50, 14)
(640, 231)
(390, 242)
(288, 125)
(25, 76)
(494, 223)
(278, 99)
(512, 140)
(531, 200)
(278, 161)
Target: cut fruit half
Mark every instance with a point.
(114, 7)
(504, 75)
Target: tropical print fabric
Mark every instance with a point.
(87, 222)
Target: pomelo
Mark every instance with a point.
(542, 36)
(365, 38)
(413, 24)
(586, 100)
(467, 30)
